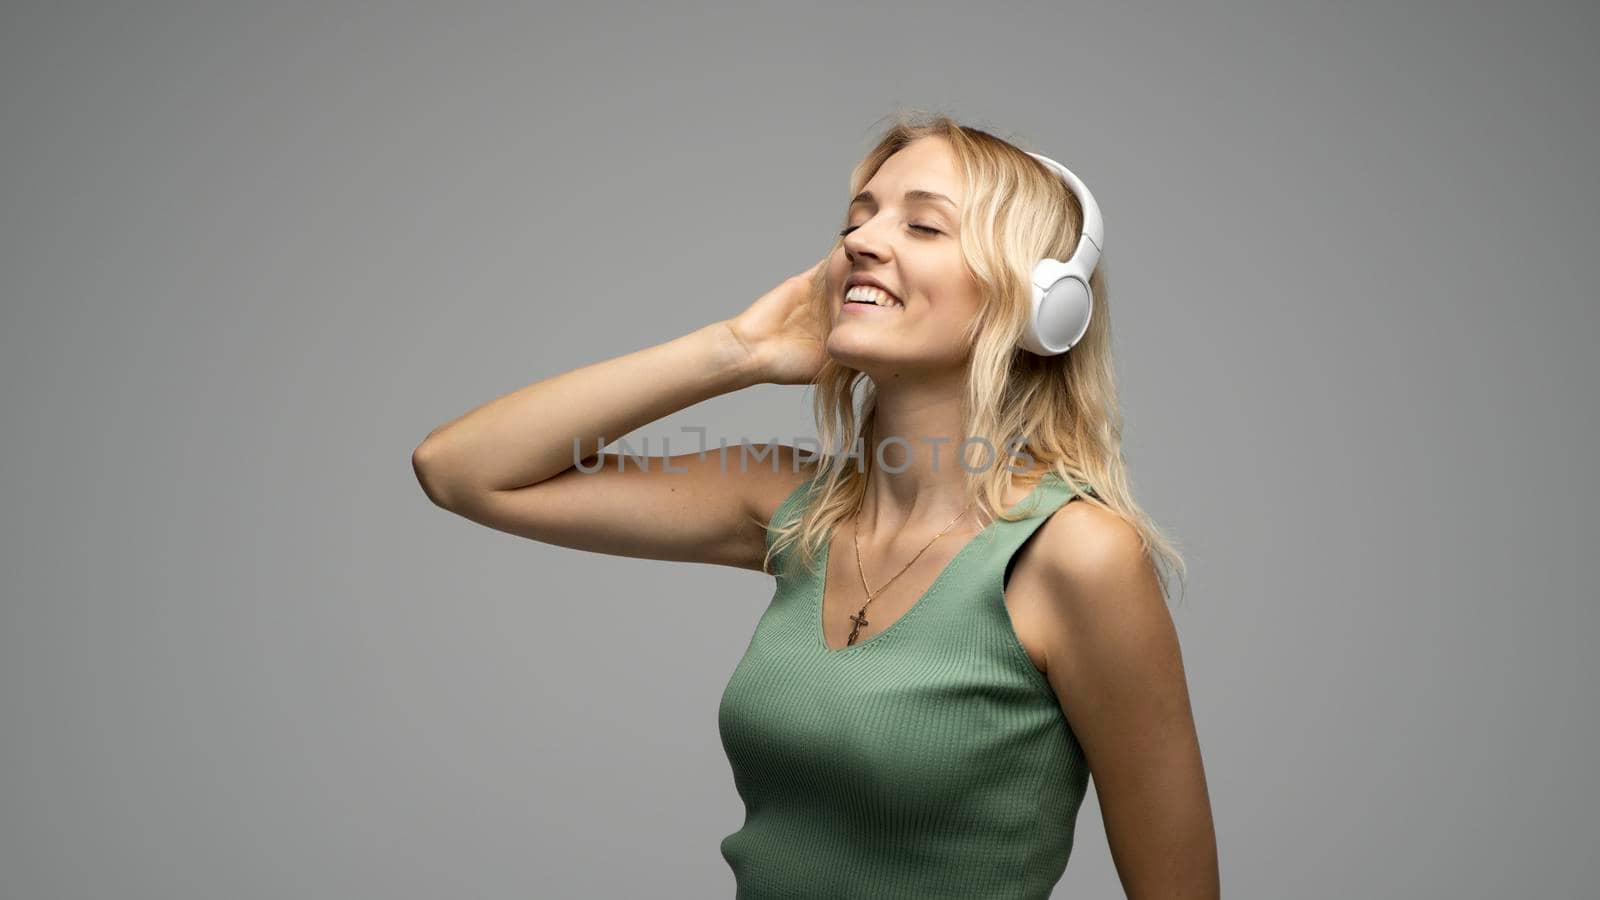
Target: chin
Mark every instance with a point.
(875, 359)
(857, 352)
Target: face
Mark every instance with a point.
(911, 246)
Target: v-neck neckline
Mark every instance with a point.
(827, 552)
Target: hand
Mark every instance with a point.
(782, 333)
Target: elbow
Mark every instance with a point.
(426, 466)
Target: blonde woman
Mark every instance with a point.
(970, 612)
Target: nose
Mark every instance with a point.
(864, 242)
(858, 244)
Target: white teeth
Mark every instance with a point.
(870, 295)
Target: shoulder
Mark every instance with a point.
(775, 471)
(1093, 563)
(1104, 625)
(1081, 538)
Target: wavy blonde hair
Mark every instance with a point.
(1061, 410)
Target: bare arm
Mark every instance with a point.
(546, 428)
(1115, 662)
(511, 463)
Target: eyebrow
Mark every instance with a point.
(912, 196)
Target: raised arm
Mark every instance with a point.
(512, 463)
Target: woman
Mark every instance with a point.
(918, 713)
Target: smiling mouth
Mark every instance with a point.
(862, 295)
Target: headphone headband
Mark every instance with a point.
(1094, 229)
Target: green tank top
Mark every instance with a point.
(929, 760)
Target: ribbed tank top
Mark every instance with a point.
(929, 760)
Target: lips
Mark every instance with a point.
(868, 307)
(869, 281)
(848, 304)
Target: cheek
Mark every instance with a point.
(955, 294)
(838, 270)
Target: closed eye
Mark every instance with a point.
(913, 228)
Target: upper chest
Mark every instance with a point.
(849, 617)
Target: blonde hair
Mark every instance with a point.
(1061, 410)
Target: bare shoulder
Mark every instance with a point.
(1084, 544)
(775, 476)
(1100, 588)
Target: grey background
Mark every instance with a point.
(251, 254)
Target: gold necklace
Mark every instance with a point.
(860, 618)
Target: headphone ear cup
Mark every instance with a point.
(1062, 298)
(1060, 316)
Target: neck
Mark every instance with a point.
(921, 483)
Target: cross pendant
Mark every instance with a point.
(860, 619)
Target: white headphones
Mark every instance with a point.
(1062, 300)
